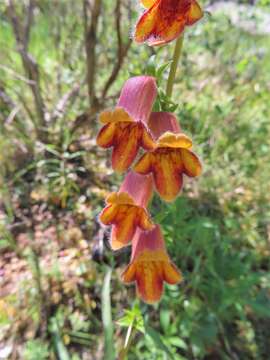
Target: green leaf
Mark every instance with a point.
(59, 346)
(165, 320)
(151, 66)
(261, 305)
(133, 318)
(157, 339)
(178, 342)
(162, 68)
(107, 317)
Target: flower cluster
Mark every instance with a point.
(167, 158)
(152, 151)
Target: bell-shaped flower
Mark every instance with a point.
(125, 127)
(126, 210)
(150, 265)
(171, 158)
(164, 20)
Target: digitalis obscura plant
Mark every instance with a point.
(132, 128)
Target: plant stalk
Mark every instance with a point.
(174, 64)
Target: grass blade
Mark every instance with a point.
(109, 352)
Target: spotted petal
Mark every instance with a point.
(150, 266)
(192, 164)
(165, 20)
(125, 216)
(168, 162)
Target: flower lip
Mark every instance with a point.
(126, 210)
(125, 128)
(171, 158)
(172, 140)
(120, 198)
(164, 20)
(117, 115)
(150, 266)
(125, 135)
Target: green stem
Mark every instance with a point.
(173, 68)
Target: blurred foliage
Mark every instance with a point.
(218, 232)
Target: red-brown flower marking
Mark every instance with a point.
(126, 210)
(125, 127)
(150, 265)
(171, 158)
(165, 20)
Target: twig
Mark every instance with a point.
(90, 46)
(64, 101)
(122, 50)
(6, 99)
(16, 75)
(22, 35)
(12, 115)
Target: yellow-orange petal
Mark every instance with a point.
(144, 221)
(144, 164)
(125, 137)
(146, 24)
(147, 141)
(171, 274)
(147, 3)
(167, 171)
(192, 164)
(126, 147)
(149, 277)
(126, 221)
(108, 214)
(172, 140)
(124, 228)
(106, 135)
(113, 116)
(150, 265)
(149, 281)
(120, 198)
(162, 23)
(125, 216)
(129, 274)
(195, 13)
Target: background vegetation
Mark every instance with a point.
(60, 63)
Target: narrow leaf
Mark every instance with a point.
(107, 317)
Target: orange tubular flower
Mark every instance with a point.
(171, 158)
(125, 128)
(150, 265)
(165, 20)
(126, 210)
